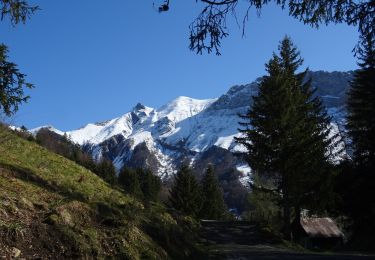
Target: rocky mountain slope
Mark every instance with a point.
(191, 130)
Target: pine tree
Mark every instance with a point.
(213, 206)
(286, 135)
(106, 171)
(12, 84)
(129, 181)
(150, 184)
(185, 193)
(361, 107)
(264, 205)
(360, 175)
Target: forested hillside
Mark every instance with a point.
(52, 208)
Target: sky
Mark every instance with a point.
(94, 60)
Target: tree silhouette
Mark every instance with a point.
(213, 206)
(185, 193)
(12, 81)
(209, 28)
(286, 133)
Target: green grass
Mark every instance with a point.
(63, 210)
(56, 172)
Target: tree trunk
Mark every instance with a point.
(287, 226)
(297, 218)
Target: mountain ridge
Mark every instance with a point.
(184, 129)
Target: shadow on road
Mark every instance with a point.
(245, 240)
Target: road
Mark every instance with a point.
(244, 240)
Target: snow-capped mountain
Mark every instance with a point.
(191, 130)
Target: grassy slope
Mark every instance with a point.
(52, 207)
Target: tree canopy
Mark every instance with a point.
(12, 84)
(185, 194)
(209, 28)
(16, 10)
(287, 135)
(213, 206)
(12, 81)
(361, 107)
(359, 176)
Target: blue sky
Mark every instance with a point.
(92, 61)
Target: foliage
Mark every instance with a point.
(106, 171)
(150, 184)
(209, 28)
(286, 134)
(264, 206)
(213, 206)
(235, 192)
(361, 107)
(48, 211)
(356, 184)
(355, 205)
(12, 81)
(12, 84)
(174, 232)
(185, 194)
(141, 183)
(129, 181)
(17, 10)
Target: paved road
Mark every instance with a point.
(244, 240)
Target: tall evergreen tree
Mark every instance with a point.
(286, 135)
(106, 171)
(12, 84)
(185, 193)
(360, 175)
(128, 180)
(12, 81)
(150, 184)
(361, 107)
(264, 205)
(213, 206)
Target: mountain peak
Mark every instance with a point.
(139, 107)
(48, 127)
(190, 127)
(140, 111)
(183, 107)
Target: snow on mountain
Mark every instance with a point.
(191, 129)
(182, 108)
(49, 127)
(99, 132)
(245, 171)
(205, 129)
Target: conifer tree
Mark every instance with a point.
(150, 184)
(129, 181)
(185, 193)
(12, 84)
(286, 135)
(361, 107)
(264, 205)
(359, 194)
(12, 81)
(213, 206)
(106, 171)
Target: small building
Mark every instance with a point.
(320, 233)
